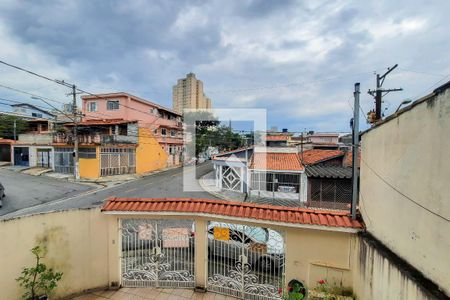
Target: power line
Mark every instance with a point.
(402, 194)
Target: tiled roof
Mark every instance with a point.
(233, 209)
(271, 138)
(276, 161)
(314, 156)
(6, 141)
(328, 171)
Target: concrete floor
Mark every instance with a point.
(152, 293)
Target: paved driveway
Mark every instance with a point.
(25, 190)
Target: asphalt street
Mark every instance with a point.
(24, 190)
(160, 185)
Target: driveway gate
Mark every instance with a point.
(117, 161)
(245, 262)
(157, 253)
(64, 160)
(43, 158)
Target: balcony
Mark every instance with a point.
(95, 139)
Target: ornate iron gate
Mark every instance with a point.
(157, 253)
(245, 262)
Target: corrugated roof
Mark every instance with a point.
(328, 171)
(314, 156)
(276, 161)
(233, 209)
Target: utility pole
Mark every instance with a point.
(355, 150)
(378, 93)
(15, 126)
(75, 132)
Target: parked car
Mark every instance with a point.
(263, 248)
(2, 194)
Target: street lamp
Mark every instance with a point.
(403, 103)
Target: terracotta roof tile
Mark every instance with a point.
(234, 209)
(314, 156)
(272, 138)
(276, 161)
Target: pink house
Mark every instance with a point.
(165, 123)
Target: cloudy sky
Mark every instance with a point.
(297, 59)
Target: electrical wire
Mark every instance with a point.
(402, 194)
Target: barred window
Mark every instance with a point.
(89, 153)
(112, 105)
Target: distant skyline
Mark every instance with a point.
(297, 59)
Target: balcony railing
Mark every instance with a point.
(96, 139)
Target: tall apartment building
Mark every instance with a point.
(188, 94)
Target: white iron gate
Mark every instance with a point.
(245, 262)
(117, 161)
(157, 253)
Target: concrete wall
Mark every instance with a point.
(406, 160)
(77, 244)
(31, 138)
(150, 155)
(377, 275)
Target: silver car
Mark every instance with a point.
(261, 248)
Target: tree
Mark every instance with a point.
(38, 280)
(7, 126)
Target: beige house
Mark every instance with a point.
(188, 94)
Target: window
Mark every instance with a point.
(173, 133)
(92, 106)
(87, 153)
(155, 131)
(163, 131)
(36, 115)
(112, 105)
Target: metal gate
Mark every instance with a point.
(64, 160)
(157, 253)
(117, 161)
(43, 158)
(245, 262)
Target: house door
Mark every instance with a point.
(245, 262)
(21, 156)
(157, 253)
(43, 158)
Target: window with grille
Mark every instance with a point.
(89, 153)
(112, 105)
(163, 131)
(92, 106)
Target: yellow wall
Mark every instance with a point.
(90, 168)
(150, 155)
(77, 244)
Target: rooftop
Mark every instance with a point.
(272, 138)
(328, 171)
(314, 156)
(239, 210)
(276, 161)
